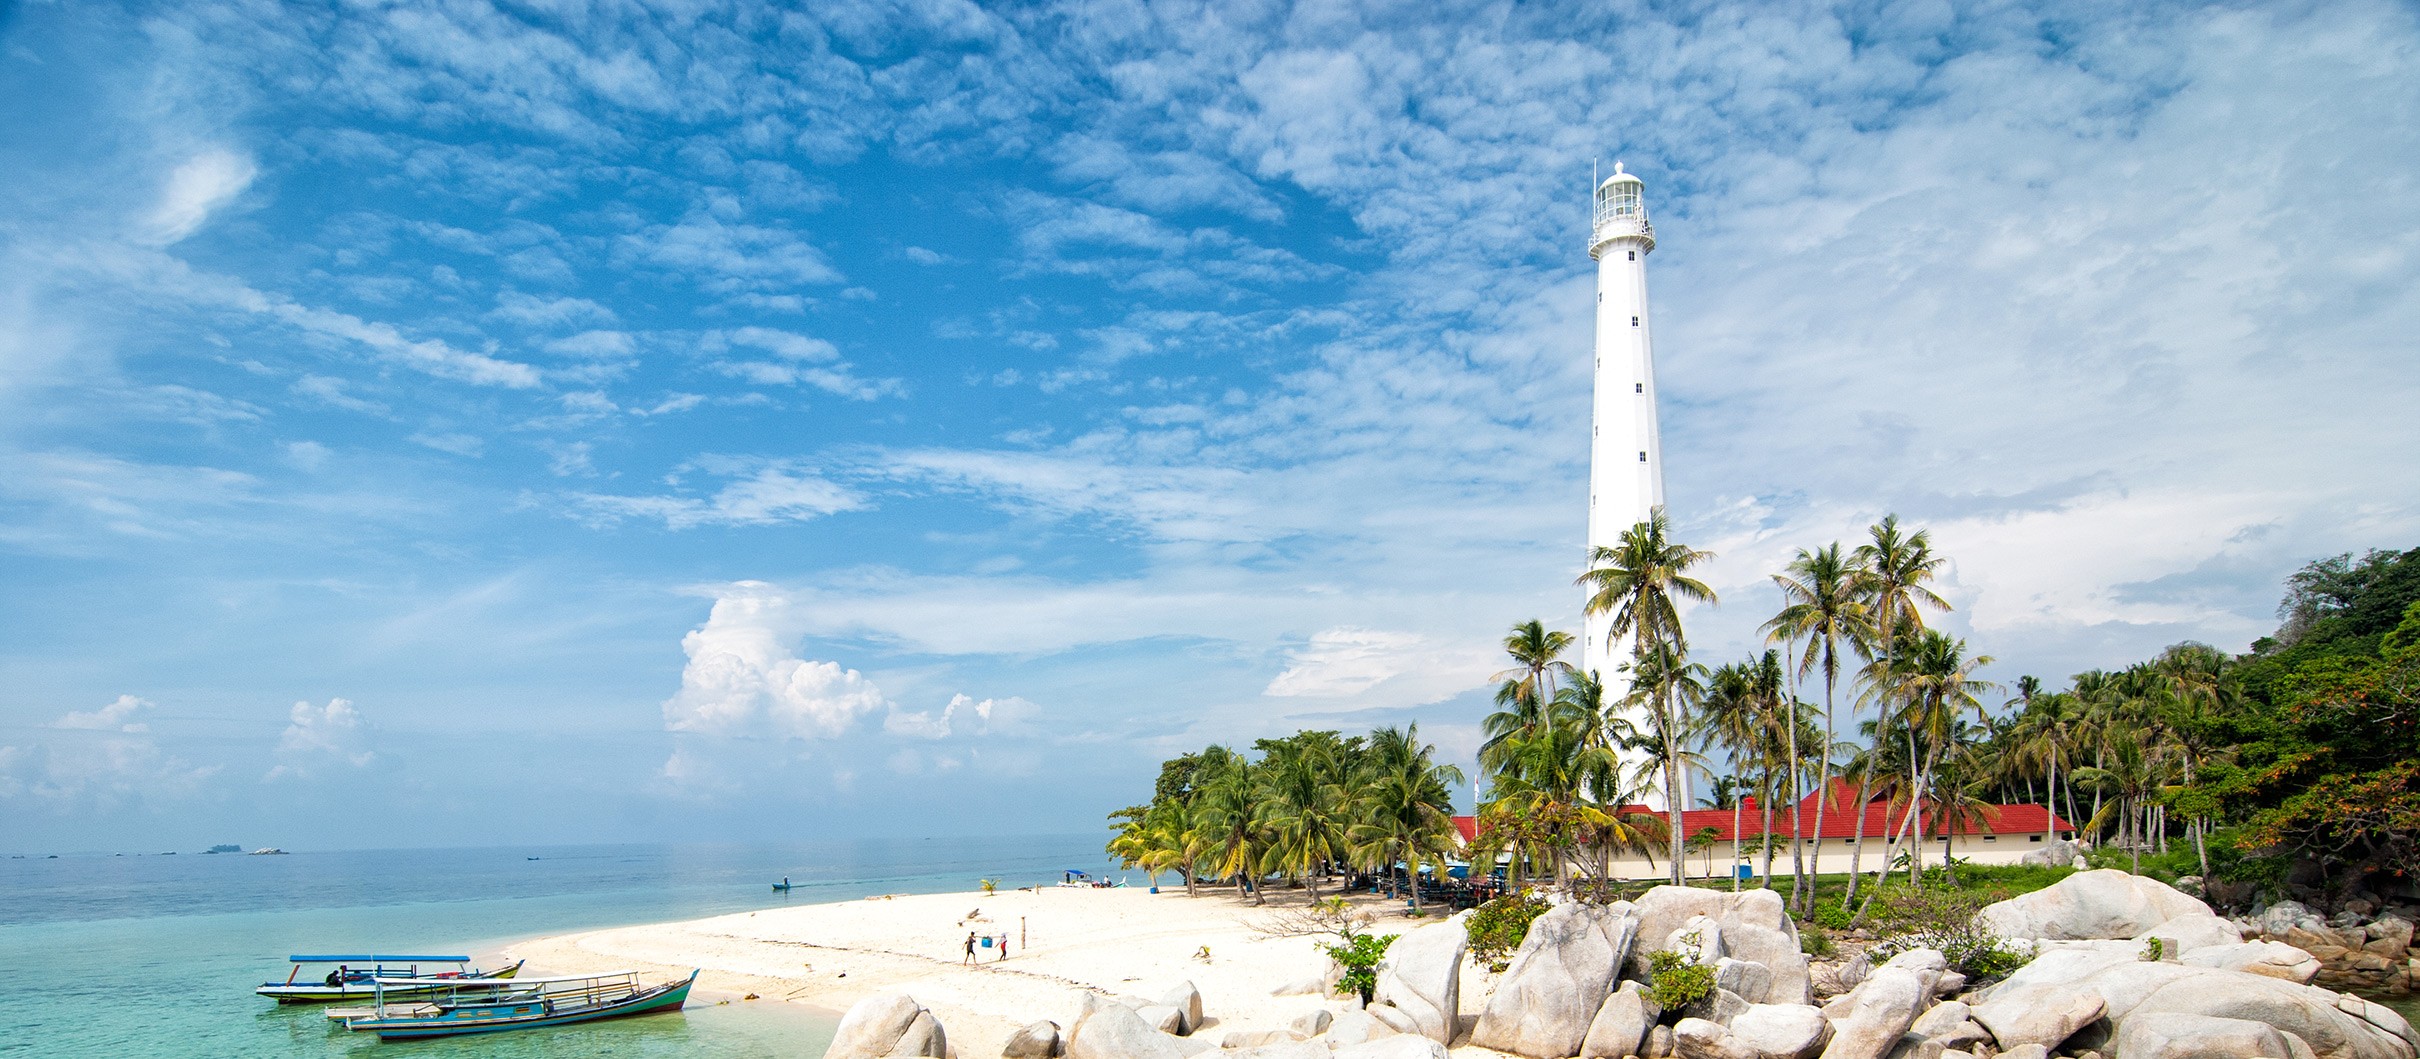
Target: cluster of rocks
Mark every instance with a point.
(2123, 966)
(2367, 948)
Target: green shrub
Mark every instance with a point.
(1676, 981)
(1497, 927)
(1833, 917)
(1815, 941)
(1970, 948)
(1359, 957)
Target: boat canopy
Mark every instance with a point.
(374, 958)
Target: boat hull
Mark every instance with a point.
(316, 993)
(660, 1000)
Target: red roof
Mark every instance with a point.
(1839, 819)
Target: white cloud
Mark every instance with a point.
(97, 761)
(741, 679)
(771, 495)
(195, 190)
(321, 737)
(1345, 661)
(117, 716)
(1008, 716)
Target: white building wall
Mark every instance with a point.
(1626, 460)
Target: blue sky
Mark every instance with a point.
(923, 417)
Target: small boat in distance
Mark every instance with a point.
(267, 851)
(357, 977)
(783, 886)
(490, 1006)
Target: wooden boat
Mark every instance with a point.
(491, 1006)
(356, 977)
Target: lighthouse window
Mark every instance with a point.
(1642, 456)
(1638, 387)
(1634, 321)
(1634, 255)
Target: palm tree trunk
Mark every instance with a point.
(1737, 857)
(1672, 784)
(1823, 794)
(1768, 833)
(1865, 795)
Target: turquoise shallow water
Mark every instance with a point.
(157, 955)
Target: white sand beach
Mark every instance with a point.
(1062, 940)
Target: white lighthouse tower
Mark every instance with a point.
(1625, 454)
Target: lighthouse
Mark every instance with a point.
(1625, 454)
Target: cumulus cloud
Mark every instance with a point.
(742, 680)
(195, 190)
(322, 737)
(963, 716)
(97, 760)
(117, 716)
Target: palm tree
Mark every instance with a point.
(1823, 609)
(1524, 693)
(1307, 812)
(1670, 687)
(1735, 715)
(1933, 678)
(1230, 815)
(1405, 805)
(1639, 581)
(2132, 776)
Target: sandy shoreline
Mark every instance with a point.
(1062, 941)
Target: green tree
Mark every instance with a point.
(1824, 610)
(1641, 581)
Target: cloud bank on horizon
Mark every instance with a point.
(922, 418)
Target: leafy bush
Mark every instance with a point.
(1946, 922)
(1497, 927)
(1359, 957)
(1815, 941)
(1833, 916)
(1676, 981)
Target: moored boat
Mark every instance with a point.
(356, 977)
(491, 1006)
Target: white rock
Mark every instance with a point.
(2286, 915)
(1354, 1027)
(1106, 1030)
(1874, 1016)
(1163, 1018)
(2046, 1014)
(1280, 1050)
(1401, 1046)
(2171, 1036)
(1421, 976)
(873, 1026)
(2275, 959)
(1187, 1000)
(1558, 980)
(1394, 1018)
(1747, 978)
(1621, 1025)
(1038, 1040)
(2092, 904)
(1236, 1039)
(923, 1039)
(1937, 1019)
(1314, 1022)
(1780, 1031)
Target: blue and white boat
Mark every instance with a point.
(356, 976)
(492, 1005)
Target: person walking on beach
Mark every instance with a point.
(970, 949)
(1003, 947)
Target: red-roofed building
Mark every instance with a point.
(1996, 834)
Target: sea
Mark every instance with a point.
(152, 955)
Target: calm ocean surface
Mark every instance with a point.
(158, 955)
